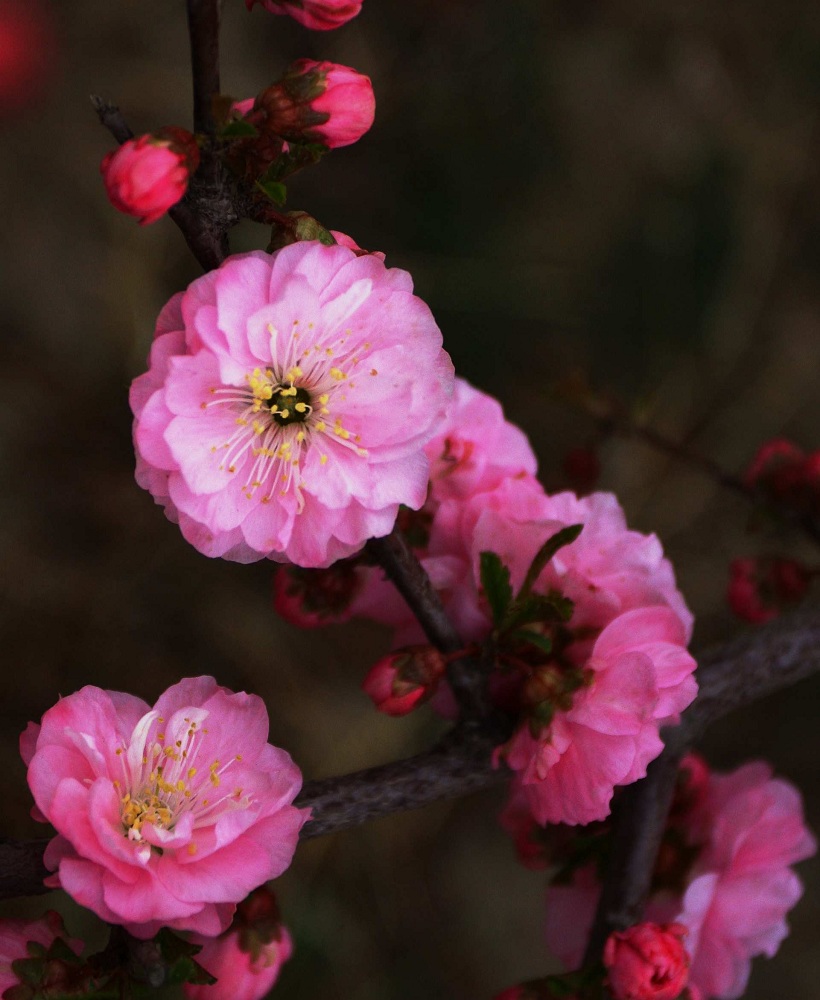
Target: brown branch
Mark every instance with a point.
(203, 29)
(467, 677)
(731, 676)
(459, 765)
(765, 660)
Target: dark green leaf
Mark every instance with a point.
(542, 642)
(275, 190)
(495, 579)
(545, 608)
(561, 538)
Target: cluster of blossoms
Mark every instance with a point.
(723, 874)
(593, 687)
(786, 479)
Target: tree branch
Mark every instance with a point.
(756, 664)
(467, 677)
(203, 29)
(765, 660)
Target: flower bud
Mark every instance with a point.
(647, 962)
(320, 15)
(404, 679)
(149, 174)
(311, 598)
(760, 588)
(776, 467)
(316, 102)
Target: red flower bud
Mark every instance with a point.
(647, 962)
(404, 679)
(760, 588)
(321, 15)
(775, 465)
(311, 598)
(149, 174)
(316, 102)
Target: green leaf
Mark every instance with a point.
(275, 190)
(239, 129)
(495, 579)
(547, 608)
(561, 538)
(542, 642)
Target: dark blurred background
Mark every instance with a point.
(627, 189)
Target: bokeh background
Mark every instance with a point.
(627, 189)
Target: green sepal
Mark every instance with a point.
(239, 129)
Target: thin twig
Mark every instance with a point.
(203, 29)
(467, 677)
(765, 660)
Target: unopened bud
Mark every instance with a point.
(647, 962)
(318, 102)
(761, 588)
(148, 175)
(404, 679)
(320, 15)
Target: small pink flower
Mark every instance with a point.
(239, 974)
(647, 962)
(316, 102)
(149, 174)
(282, 415)
(404, 679)
(15, 936)
(760, 588)
(166, 816)
(311, 598)
(320, 15)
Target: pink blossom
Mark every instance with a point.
(316, 102)
(647, 962)
(745, 829)
(241, 108)
(741, 886)
(320, 15)
(282, 414)
(241, 974)
(403, 679)
(166, 816)
(149, 174)
(15, 936)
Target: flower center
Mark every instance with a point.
(163, 778)
(290, 405)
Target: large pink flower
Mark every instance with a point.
(240, 974)
(166, 816)
(637, 677)
(284, 413)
